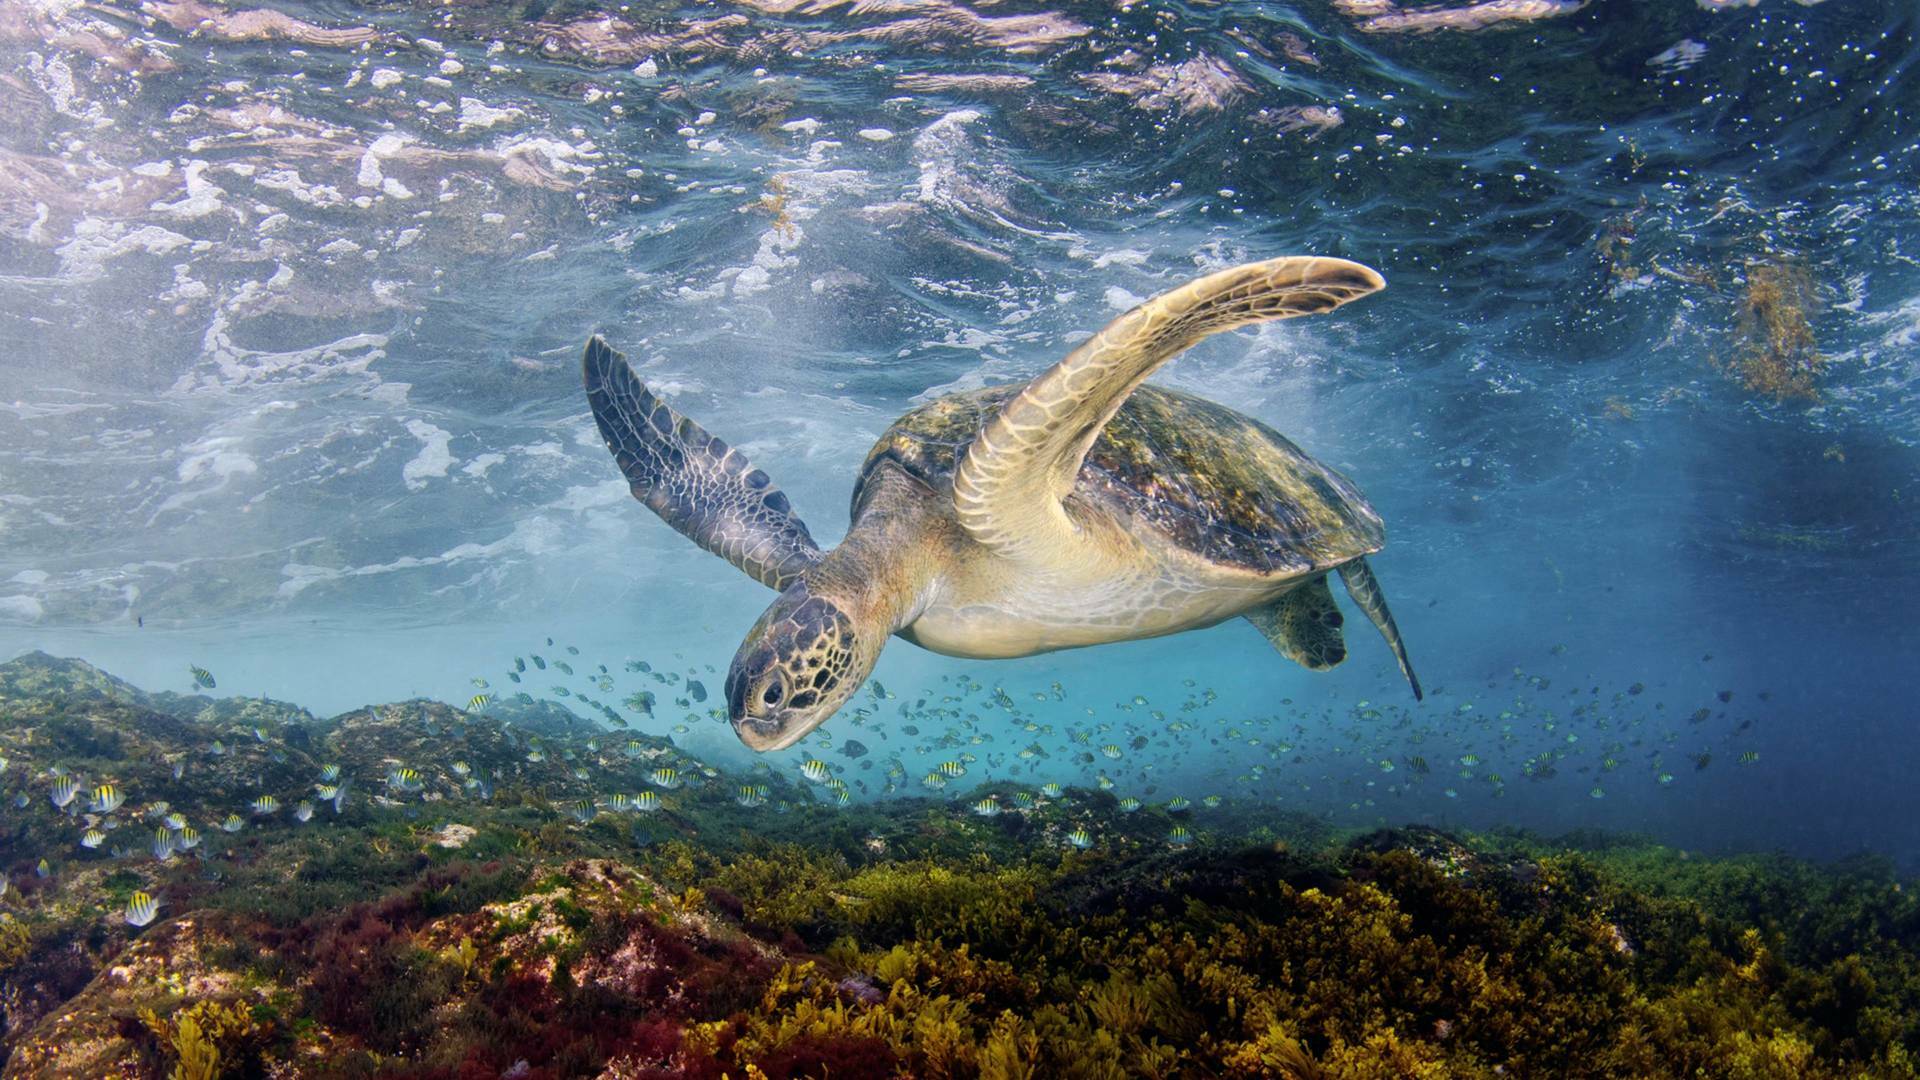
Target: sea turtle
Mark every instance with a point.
(1076, 509)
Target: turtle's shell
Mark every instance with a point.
(1218, 484)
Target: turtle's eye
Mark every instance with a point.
(771, 695)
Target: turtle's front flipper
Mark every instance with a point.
(695, 482)
(1366, 592)
(1007, 491)
(1304, 625)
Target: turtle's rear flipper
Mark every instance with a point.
(695, 482)
(1366, 592)
(1304, 625)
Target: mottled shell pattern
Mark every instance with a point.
(1211, 481)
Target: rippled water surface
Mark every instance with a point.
(291, 300)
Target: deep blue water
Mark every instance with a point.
(290, 310)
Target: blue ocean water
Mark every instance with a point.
(292, 297)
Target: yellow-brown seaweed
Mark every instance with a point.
(1774, 350)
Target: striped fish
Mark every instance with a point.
(141, 909)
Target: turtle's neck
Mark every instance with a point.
(881, 572)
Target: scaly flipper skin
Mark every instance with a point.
(695, 482)
(1009, 488)
(1366, 593)
(1304, 626)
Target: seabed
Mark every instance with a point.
(548, 930)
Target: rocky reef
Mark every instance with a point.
(543, 926)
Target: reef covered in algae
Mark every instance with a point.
(425, 932)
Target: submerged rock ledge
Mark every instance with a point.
(539, 924)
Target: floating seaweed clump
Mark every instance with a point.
(1773, 346)
(913, 939)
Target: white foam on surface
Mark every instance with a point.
(202, 196)
(20, 608)
(475, 113)
(212, 463)
(97, 242)
(481, 464)
(433, 460)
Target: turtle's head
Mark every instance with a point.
(801, 662)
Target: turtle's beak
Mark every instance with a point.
(762, 739)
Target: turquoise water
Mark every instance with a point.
(293, 303)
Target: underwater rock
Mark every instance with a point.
(38, 676)
(93, 1034)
